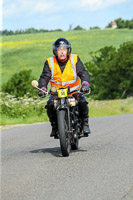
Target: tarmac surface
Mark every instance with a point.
(33, 168)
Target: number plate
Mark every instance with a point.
(62, 93)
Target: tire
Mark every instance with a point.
(75, 144)
(62, 128)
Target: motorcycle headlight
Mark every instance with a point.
(53, 90)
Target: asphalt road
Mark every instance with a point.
(102, 169)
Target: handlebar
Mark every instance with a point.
(73, 92)
(79, 91)
(35, 84)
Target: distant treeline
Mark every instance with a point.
(119, 22)
(122, 23)
(27, 31)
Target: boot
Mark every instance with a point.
(86, 129)
(54, 129)
(52, 115)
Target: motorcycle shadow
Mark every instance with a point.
(55, 151)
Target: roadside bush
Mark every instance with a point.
(20, 84)
(22, 106)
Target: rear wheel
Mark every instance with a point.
(62, 129)
(75, 144)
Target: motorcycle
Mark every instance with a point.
(68, 121)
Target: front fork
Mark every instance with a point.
(68, 117)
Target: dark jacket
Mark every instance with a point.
(46, 73)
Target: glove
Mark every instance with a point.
(85, 87)
(41, 93)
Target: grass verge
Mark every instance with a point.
(111, 107)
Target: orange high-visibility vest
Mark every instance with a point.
(68, 77)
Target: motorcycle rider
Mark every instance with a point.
(64, 69)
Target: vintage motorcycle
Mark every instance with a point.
(68, 120)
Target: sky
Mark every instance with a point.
(61, 14)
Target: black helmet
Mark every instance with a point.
(61, 42)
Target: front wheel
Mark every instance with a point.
(62, 129)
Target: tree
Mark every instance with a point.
(120, 23)
(112, 72)
(130, 24)
(70, 27)
(95, 27)
(20, 84)
(78, 28)
(31, 30)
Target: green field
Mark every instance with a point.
(29, 51)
